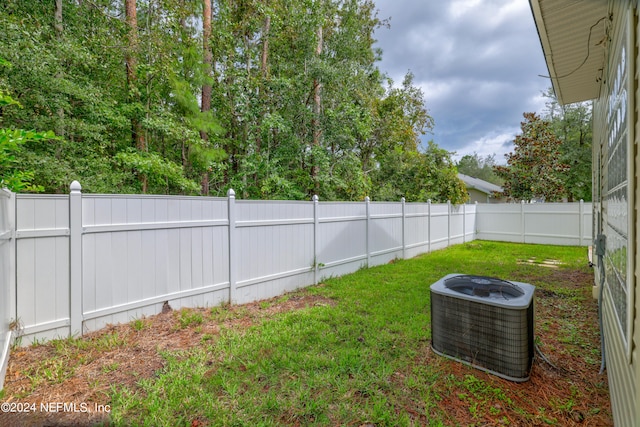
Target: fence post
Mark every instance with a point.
(75, 258)
(448, 223)
(316, 224)
(522, 222)
(404, 218)
(581, 222)
(231, 206)
(428, 225)
(367, 204)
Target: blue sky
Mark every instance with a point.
(478, 63)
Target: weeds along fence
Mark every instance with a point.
(75, 263)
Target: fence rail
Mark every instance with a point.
(75, 263)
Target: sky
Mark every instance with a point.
(477, 62)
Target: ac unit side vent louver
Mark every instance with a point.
(485, 322)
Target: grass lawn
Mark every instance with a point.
(352, 351)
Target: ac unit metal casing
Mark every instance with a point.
(484, 322)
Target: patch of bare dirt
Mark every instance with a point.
(128, 353)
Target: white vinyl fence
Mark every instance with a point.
(7, 206)
(541, 223)
(87, 260)
(75, 263)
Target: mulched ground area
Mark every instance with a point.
(140, 358)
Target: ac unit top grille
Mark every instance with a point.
(483, 287)
(485, 290)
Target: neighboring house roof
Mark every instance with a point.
(573, 41)
(479, 184)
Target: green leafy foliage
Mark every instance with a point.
(289, 116)
(535, 169)
(163, 175)
(572, 124)
(10, 144)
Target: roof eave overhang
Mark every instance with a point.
(573, 38)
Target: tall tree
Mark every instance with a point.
(573, 125)
(206, 85)
(59, 28)
(131, 62)
(534, 169)
(317, 109)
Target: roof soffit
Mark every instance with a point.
(573, 38)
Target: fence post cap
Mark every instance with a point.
(429, 201)
(315, 198)
(231, 193)
(367, 199)
(75, 187)
(403, 200)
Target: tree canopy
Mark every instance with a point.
(572, 124)
(276, 99)
(552, 157)
(534, 169)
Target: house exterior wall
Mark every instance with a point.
(616, 195)
(478, 196)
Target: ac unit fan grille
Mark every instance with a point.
(488, 337)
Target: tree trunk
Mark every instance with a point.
(265, 46)
(317, 130)
(206, 85)
(264, 71)
(131, 62)
(60, 130)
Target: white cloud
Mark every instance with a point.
(476, 61)
(460, 8)
(499, 142)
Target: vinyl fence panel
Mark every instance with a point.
(439, 227)
(500, 221)
(540, 223)
(7, 285)
(140, 251)
(416, 228)
(385, 232)
(42, 265)
(275, 248)
(342, 245)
